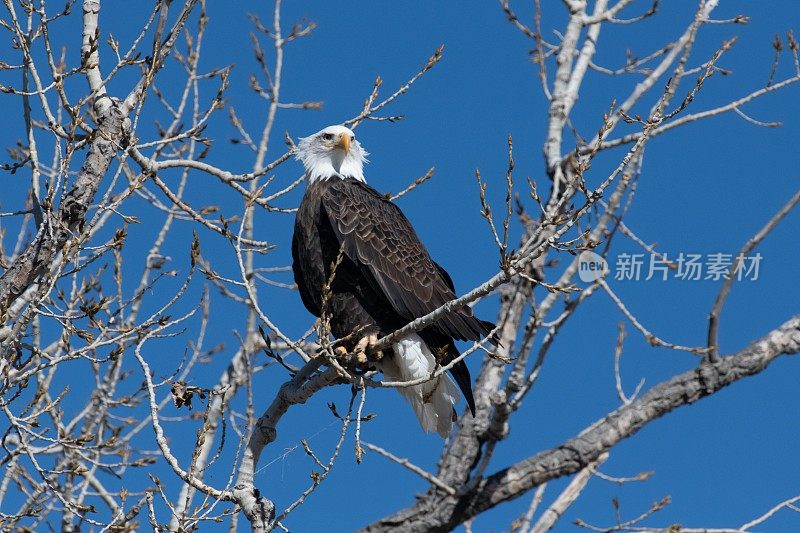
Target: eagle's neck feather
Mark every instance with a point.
(333, 167)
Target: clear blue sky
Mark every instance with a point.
(705, 188)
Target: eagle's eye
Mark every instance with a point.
(327, 136)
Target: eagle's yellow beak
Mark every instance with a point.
(344, 142)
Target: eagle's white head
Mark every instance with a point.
(332, 152)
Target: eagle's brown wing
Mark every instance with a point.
(379, 239)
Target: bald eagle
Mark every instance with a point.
(385, 278)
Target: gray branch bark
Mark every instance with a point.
(258, 509)
(57, 229)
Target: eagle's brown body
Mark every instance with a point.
(386, 277)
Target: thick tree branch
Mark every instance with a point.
(440, 512)
(258, 509)
(56, 230)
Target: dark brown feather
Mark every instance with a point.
(377, 235)
(386, 278)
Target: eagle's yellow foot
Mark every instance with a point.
(340, 352)
(365, 349)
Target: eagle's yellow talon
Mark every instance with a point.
(340, 352)
(364, 349)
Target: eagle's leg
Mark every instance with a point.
(365, 349)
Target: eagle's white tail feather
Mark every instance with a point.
(432, 401)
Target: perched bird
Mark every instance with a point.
(384, 279)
